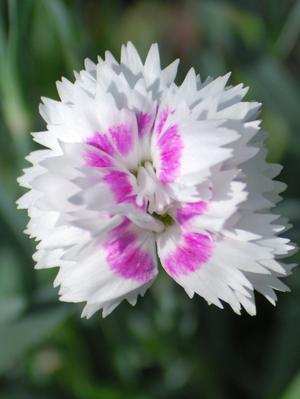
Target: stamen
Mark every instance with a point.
(166, 219)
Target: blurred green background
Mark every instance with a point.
(167, 346)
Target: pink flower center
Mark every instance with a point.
(110, 150)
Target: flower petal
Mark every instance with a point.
(220, 268)
(121, 265)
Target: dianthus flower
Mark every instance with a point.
(138, 171)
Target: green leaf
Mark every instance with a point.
(63, 24)
(14, 107)
(21, 336)
(278, 136)
(293, 390)
(10, 279)
(290, 33)
(249, 26)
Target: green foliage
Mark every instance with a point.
(167, 346)
(293, 391)
(22, 335)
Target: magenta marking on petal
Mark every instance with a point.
(119, 184)
(122, 137)
(170, 146)
(101, 141)
(97, 159)
(190, 210)
(143, 122)
(193, 252)
(162, 120)
(125, 257)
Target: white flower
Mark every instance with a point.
(136, 167)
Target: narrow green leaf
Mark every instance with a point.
(290, 33)
(14, 218)
(293, 390)
(278, 136)
(63, 24)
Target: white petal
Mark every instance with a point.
(152, 64)
(121, 266)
